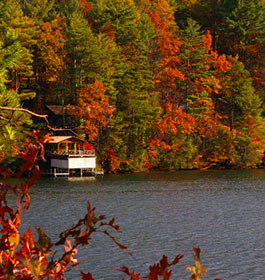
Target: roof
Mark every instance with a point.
(58, 109)
(68, 139)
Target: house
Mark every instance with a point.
(62, 115)
(69, 155)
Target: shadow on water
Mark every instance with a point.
(163, 213)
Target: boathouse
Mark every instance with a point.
(61, 116)
(69, 155)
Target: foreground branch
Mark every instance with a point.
(25, 111)
(44, 117)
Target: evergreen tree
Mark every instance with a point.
(12, 18)
(41, 13)
(135, 110)
(196, 61)
(39, 10)
(78, 38)
(207, 14)
(13, 125)
(100, 63)
(242, 32)
(243, 23)
(242, 109)
(200, 87)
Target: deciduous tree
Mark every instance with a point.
(93, 109)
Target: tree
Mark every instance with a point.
(38, 10)
(51, 50)
(242, 110)
(135, 101)
(13, 125)
(166, 71)
(12, 17)
(100, 63)
(94, 110)
(170, 145)
(196, 62)
(79, 39)
(242, 32)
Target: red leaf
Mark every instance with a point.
(123, 269)
(135, 276)
(86, 276)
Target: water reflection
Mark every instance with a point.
(163, 213)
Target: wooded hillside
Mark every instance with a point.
(158, 84)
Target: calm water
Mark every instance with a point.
(222, 212)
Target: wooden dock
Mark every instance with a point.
(54, 172)
(99, 172)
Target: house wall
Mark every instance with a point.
(59, 163)
(74, 163)
(82, 162)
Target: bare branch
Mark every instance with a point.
(25, 111)
(45, 117)
(4, 119)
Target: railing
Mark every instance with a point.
(74, 152)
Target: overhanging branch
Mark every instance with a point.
(25, 111)
(44, 117)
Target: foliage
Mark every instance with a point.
(51, 46)
(94, 109)
(152, 58)
(170, 146)
(242, 112)
(13, 125)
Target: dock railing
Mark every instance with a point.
(74, 152)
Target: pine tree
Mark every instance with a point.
(13, 125)
(12, 18)
(79, 36)
(196, 61)
(135, 109)
(39, 10)
(242, 32)
(242, 109)
(200, 88)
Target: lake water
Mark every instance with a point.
(222, 212)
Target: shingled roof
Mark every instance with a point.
(58, 109)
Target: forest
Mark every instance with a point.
(158, 84)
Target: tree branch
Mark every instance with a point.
(45, 117)
(25, 111)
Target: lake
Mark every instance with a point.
(222, 212)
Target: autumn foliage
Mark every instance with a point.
(163, 85)
(94, 109)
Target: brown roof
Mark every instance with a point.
(68, 139)
(58, 109)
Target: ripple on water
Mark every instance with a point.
(163, 213)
